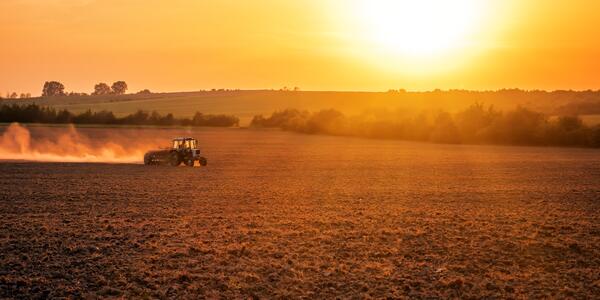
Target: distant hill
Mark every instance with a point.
(248, 103)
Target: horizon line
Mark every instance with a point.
(391, 90)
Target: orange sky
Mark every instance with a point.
(180, 45)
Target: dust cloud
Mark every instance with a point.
(68, 144)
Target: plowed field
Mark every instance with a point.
(278, 215)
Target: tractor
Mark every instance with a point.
(185, 150)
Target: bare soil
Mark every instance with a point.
(282, 215)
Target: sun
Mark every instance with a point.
(419, 27)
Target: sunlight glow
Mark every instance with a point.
(420, 27)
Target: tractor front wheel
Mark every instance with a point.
(202, 161)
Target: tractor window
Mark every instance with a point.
(186, 144)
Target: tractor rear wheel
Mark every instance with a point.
(189, 162)
(174, 159)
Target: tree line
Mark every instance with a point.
(55, 88)
(475, 125)
(14, 95)
(33, 113)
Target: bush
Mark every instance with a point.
(476, 124)
(33, 113)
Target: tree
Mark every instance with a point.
(14, 96)
(53, 88)
(144, 92)
(119, 87)
(101, 89)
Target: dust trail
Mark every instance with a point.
(69, 145)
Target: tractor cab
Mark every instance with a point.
(185, 144)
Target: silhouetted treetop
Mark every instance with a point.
(144, 92)
(53, 88)
(101, 89)
(119, 87)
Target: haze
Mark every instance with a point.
(316, 45)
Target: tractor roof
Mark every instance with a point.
(183, 138)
